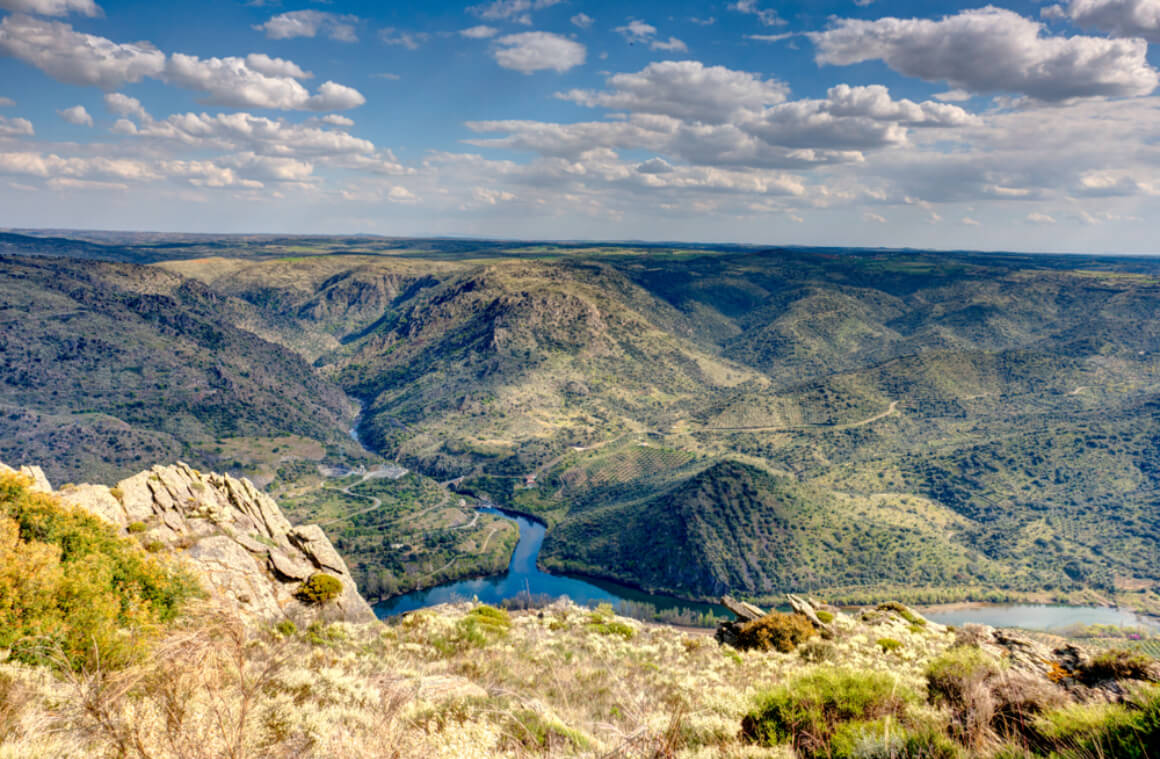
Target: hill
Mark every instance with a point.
(1005, 404)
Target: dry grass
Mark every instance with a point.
(549, 684)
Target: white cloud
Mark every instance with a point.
(51, 165)
(1040, 218)
(582, 20)
(993, 50)
(257, 81)
(52, 7)
(685, 90)
(246, 132)
(76, 115)
(123, 105)
(340, 121)
(76, 58)
(636, 30)
(511, 9)
(874, 218)
(409, 40)
(766, 16)
(124, 126)
(480, 32)
(673, 45)
(771, 37)
(1122, 18)
(311, 23)
(233, 82)
(5, 102)
(953, 96)
(538, 51)
(16, 127)
(281, 67)
(967, 221)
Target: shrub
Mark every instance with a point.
(889, 645)
(117, 493)
(818, 651)
(137, 527)
(319, 589)
(781, 632)
(286, 628)
(1103, 730)
(1119, 664)
(808, 710)
(824, 617)
(887, 739)
(72, 588)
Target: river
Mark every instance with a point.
(523, 576)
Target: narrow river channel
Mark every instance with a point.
(523, 576)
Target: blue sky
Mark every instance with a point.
(1026, 125)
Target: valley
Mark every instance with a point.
(861, 425)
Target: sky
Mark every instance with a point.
(945, 125)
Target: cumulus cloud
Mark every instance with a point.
(481, 32)
(1040, 218)
(257, 81)
(310, 23)
(233, 82)
(52, 7)
(582, 20)
(518, 10)
(993, 50)
(76, 115)
(636, 30)
(1123, 18)
(16, 127)
(766, 16)
(264, 64)
(76, 58)
(538, 51)
(5, 102)
(335, 120)
(685, 90)
(123, 105)
(247, 132)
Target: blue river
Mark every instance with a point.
(523, 576)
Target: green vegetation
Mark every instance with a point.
(775, 632)
(818, 706)
(319, 588)
(73, 592)
(861, 425)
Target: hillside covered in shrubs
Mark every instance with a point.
(110, 650)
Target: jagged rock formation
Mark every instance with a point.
(233, 535)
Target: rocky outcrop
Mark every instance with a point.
(232, 534)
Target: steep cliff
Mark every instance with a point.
(234, 536)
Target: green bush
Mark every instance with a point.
(888, 739)
(825, 617)
(818, 651)
(137, 527)
(1104, 730)
(889, 645)
(1119, 664)
(71, 587)
(809, 710)
(776, 631)
(286, 628)
(319, 589)
(951, 677)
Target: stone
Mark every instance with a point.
(224, 527)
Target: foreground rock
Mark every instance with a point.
(233, 535)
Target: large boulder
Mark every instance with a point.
(231, 534)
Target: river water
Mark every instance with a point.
(523, 576)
